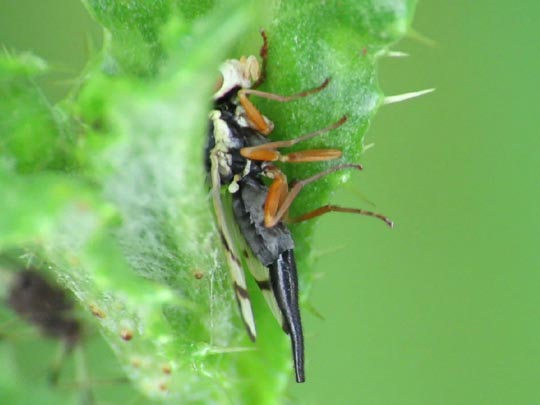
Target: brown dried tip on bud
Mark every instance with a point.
(127, 335)
(163, 387)
(166, 369)
(98, 313)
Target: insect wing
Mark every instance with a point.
(233, 259)
(260, 273)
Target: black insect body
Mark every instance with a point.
(249, 213)
(274, 249)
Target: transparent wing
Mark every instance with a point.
(262, 277)
(233, 259)
(259, 272)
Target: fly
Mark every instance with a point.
(47, 307)
(250, 215)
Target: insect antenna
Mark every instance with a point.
(264, 57)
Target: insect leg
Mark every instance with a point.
(335, 208)
(256, 120)
(277, 193)
(285, 99)
(267, 151)
(254, 116)
(312, 155)
(277, 205)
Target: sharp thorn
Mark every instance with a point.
(405, 96)
(396, 54)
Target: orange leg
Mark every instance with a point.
(276, 205)
(255, 117)
(268, 152)
(277, 193)
(312, 155)
(334, 208)
(285, 99)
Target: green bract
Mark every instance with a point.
(109, 186)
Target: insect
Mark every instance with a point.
(251, 216)
(47, 307)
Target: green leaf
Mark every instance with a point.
(132, 40)
(34, 134)
(129, 227)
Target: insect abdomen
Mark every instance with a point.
(248, 206)
(284, 281)
(273, 248)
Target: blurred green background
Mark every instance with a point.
(444, 308)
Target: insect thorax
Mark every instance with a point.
(229, 132)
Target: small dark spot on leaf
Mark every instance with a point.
(127, 335)
(198, 274)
